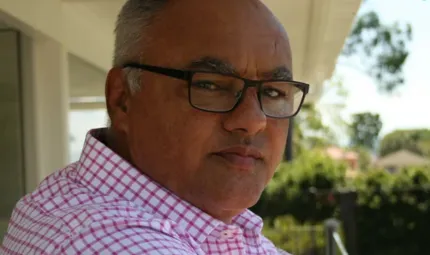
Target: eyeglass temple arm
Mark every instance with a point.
(179, 74)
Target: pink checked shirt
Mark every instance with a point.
(102, 205)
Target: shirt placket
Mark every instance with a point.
(226, 240)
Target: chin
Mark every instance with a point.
(239, 201)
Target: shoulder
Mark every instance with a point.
(127, 236)
(115, 229)
(62, 217)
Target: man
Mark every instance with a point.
(199, 101)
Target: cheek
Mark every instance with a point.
(174, 135)
(278, 130)
(198, 131)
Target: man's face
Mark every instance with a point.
(208, 158)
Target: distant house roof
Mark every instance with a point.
(341, 154)
(349, 157)
(402, 158)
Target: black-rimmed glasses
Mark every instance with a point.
(221, 93)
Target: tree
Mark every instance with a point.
(382, 49)
(314, 132)
(365, 129)
(414, 140)
(309, 130)
(364, 158)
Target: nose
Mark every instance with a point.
(247, 117)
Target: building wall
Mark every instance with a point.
(33, 114)
(12, 183)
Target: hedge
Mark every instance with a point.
(392, 213)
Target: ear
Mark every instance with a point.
(117, 99)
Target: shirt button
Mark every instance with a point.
(227, 234)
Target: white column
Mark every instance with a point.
(46, 107)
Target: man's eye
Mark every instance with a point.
(273, 93)
(206, 85)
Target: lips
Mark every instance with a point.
(243, 158)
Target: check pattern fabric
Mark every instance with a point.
(103, 205)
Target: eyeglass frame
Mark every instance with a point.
(187, 75)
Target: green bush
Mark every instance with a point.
(291, 190)
(298, 239)
(393, 212)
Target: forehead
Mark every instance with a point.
(242, 32)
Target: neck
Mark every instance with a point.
(117, 142)
(224, 216)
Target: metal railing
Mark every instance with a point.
(339, 243)
(333, 240)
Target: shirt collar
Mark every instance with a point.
(103, 171)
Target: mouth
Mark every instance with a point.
(242, 158)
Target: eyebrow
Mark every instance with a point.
(281, 73)
(216, 65)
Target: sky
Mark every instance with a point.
(408, 108)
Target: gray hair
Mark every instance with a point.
(133, 19)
